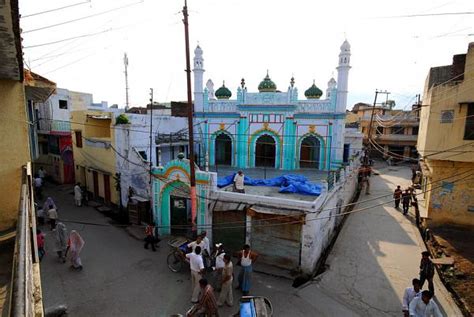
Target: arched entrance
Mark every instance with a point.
(223, 150)
(309, 152)
(265, 151)
(180, 209)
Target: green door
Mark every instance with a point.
(179, 216)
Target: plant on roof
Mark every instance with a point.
(122, 119)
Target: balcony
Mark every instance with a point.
(396, 138)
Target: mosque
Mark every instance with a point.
(273, 128)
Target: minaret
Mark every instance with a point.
(343, 76)
(331, 87)
(198, 80)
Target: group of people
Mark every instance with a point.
(65, 243)
(408, 198)
(203, 296)
(419, 303)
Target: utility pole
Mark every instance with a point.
(190, 118)
(125, 63)
(151, 131)
(369, 133)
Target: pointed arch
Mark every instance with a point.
(305, 143)
(221, 134)
(253, 146)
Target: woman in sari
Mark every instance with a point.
(61, 241)
(76, 243)
(49, 202)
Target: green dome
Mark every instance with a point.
(223, 92)
(313, 92)
(267, 85)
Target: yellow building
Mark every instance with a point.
(446, 141)
(14, 140)
(93, 141)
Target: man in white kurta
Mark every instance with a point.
(78, 195)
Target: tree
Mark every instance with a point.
(122, 119)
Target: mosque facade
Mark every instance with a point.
(273, 128)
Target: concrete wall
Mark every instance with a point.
(14, 150)
(449, 196)
(320, 226)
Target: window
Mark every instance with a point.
(447, 116)
(414, 130)
(398, 130)
(62, 104)
(379, 130)
(43, 148)
(78, 138)
(469, 129)
(143, 155)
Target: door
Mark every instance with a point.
(223, 150)
(279, 246)
(228, 228)
(309, 152)
(265, 151)
(95, 177)
(107, 189)
(179, 216)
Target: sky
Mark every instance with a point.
(242, 39)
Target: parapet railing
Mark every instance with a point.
(26, 299)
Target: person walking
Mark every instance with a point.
(150, 236)
(53, 216)
(219, 265)
(239, 182)
(410, 293)
(40, 244)
(364, 179)
(41, 173)
(49, 202)
(78, 195)
(406, 199)
(76, 243)
(397, 195)
(61, 241)
(427, 271)
(246, 260)
(226, 295)
(424, 306)
(38, 182)
(197, 270)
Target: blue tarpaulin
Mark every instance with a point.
(288, 183)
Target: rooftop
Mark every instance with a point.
(313, 175)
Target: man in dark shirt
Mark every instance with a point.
(426, 271)
(397, 195)
(406, 199)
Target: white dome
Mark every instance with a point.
(345, 46)
(198, 50)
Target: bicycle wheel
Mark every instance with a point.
(175, 262)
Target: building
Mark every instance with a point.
(446, 141)
(394, 132)
(267, 134)
(94, 153)
(20, 290)
(270, 127)
(54, 138)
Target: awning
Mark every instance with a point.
(38, 94)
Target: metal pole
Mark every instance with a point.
(151, 131)
(369, 133)
(190, 117)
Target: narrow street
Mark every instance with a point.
(375, 257)
(121, 278)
